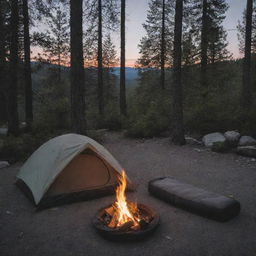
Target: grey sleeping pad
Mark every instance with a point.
(194, 199)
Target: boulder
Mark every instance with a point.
(232, 137)
(247, 141)
(3, 131)
(249, 151)
(212, 138)
(4, 164)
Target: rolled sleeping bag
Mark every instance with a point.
(193, 199)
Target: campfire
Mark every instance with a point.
(125, 219)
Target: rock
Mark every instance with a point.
(199, 150)
(211, 138)
(247, 141)
(168, 237)
(4, 164)
(232, 137)
(3, 131)
(249, 151)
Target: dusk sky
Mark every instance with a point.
(136, 15)
(136, 12)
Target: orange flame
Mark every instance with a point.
(124, 211)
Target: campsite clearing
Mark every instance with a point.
(67, 230)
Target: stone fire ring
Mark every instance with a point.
(130, 235)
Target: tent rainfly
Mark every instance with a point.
(66, 169)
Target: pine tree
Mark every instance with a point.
(13, 118)
(157, 46)
(110, 60)
(152, 45)
(101, 15)
(27, 67)
(100, 61)
(3, 84)
(109, 54)
(178, 129)
(78, 124)
(163, 46)
(241, 32)
(122, 97)
(217, 50)
(246, 92)
(54, 40)
(213, 37)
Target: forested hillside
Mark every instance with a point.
(61, 69)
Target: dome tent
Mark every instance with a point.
(68, 168)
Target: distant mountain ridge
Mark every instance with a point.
(131, 73)
(40, 71)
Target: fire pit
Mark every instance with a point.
(125, 220)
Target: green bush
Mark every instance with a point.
(149, 107)
(220, 147)
(112, 118)
(52, 106)
(20, 148)
(149, 125)
(152, 122)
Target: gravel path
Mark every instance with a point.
(67, 230)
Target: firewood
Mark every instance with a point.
(113, 221)
(110, 210)
(126, 226)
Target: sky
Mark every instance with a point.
(136, 15)
(136, 12)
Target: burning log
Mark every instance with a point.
(126, 226)
(109, 210)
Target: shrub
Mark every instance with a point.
(149, 124)
(20, 148)
(112, 119)
(220, 147)
(52, 106)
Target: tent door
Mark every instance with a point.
(86, 171)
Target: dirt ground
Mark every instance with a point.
(67, 230)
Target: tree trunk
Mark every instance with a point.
(59, 51)
(59, 64)
(122, 69)
(78, 124)
(163, 47)
(246, 91)
(3, 96)
(178, 129)
(100, 64)
(13, 118)
(204, 47)
(27, 67)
